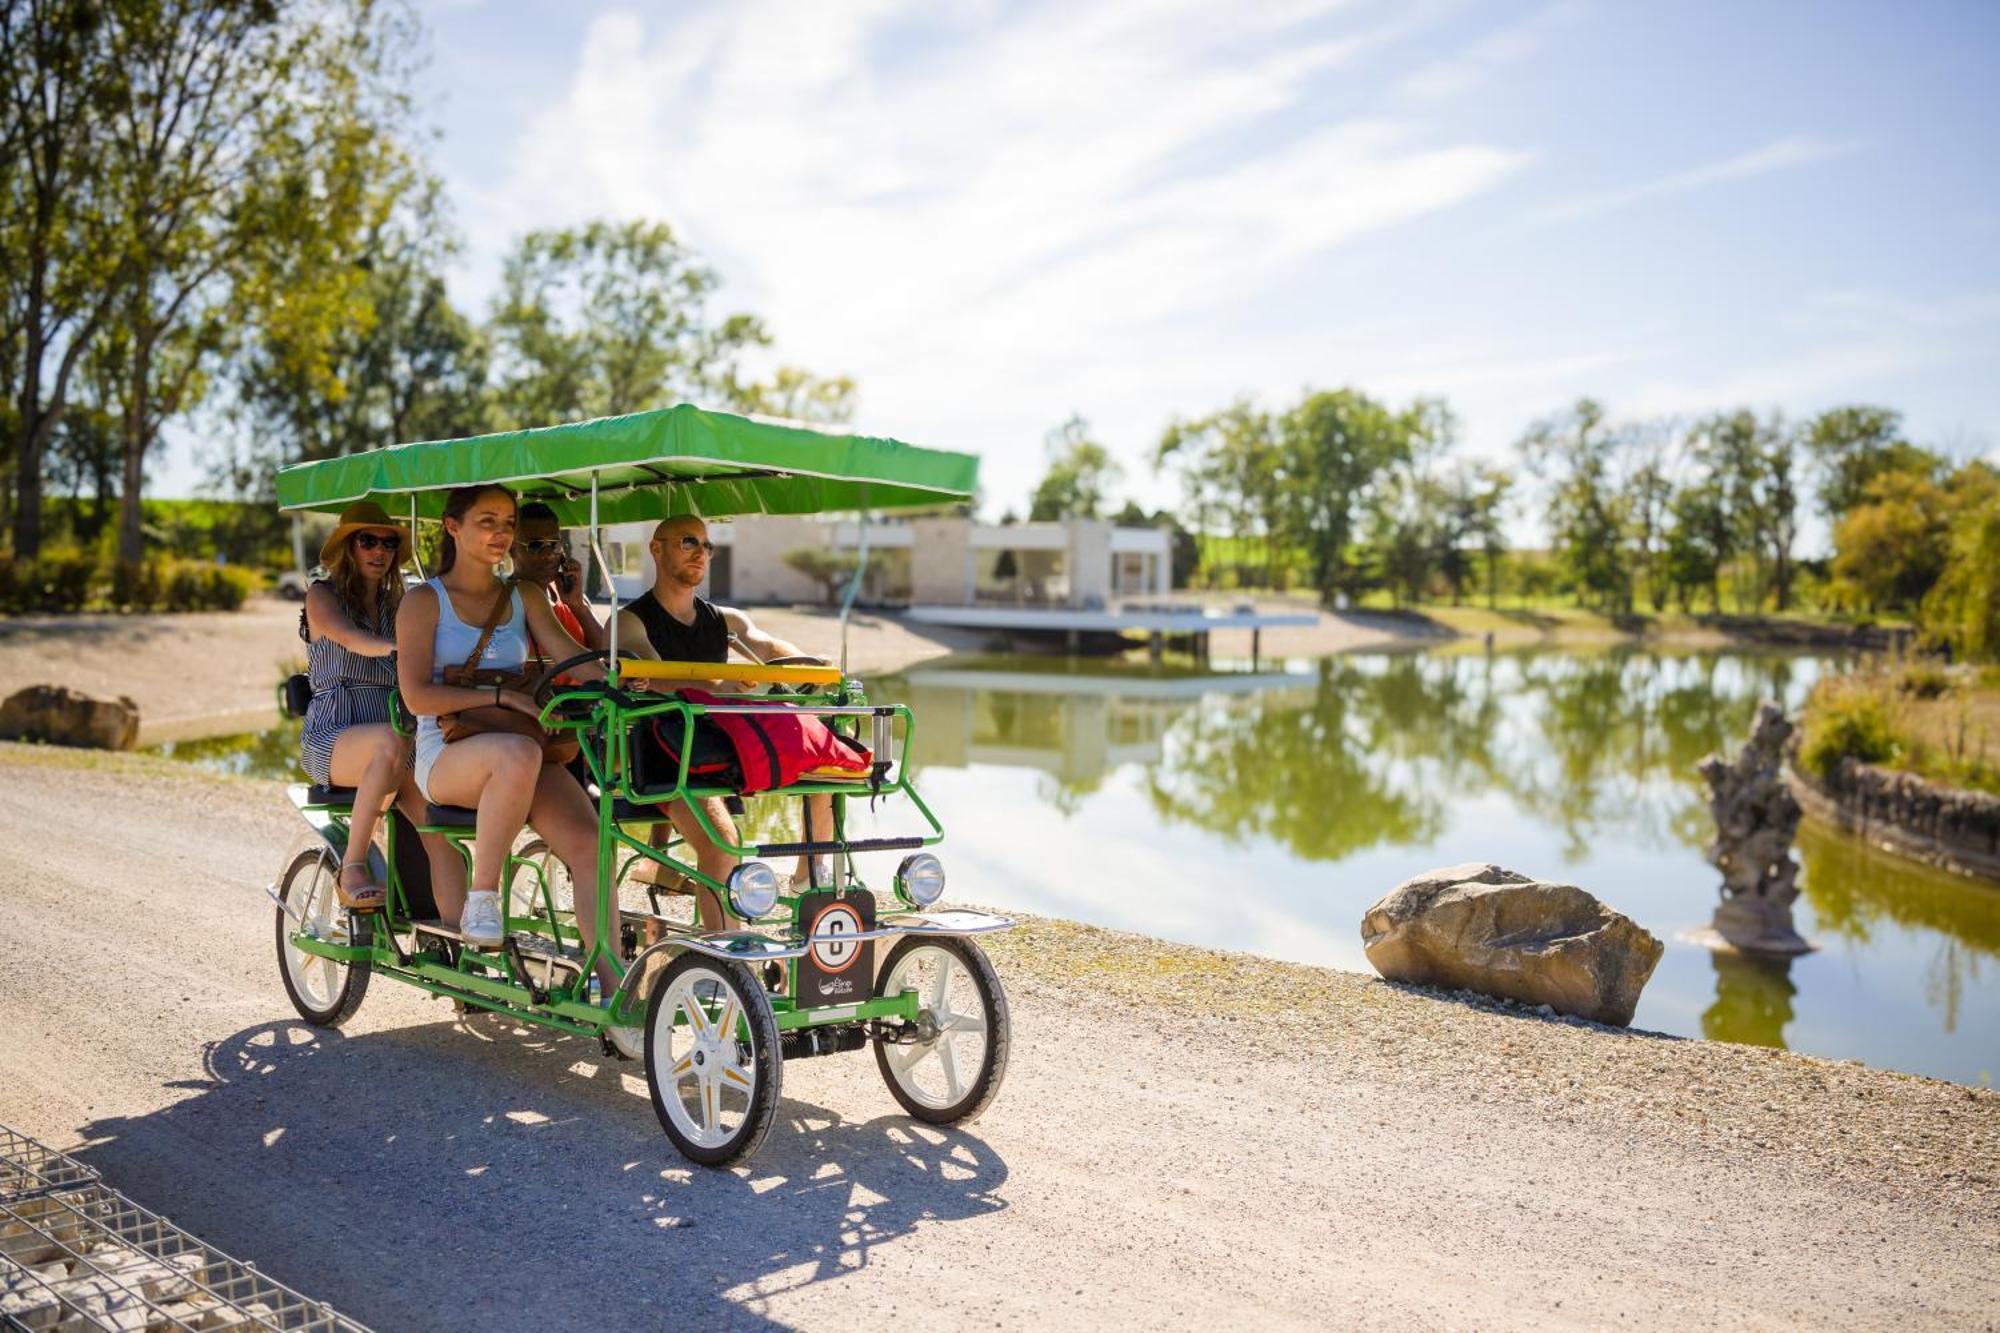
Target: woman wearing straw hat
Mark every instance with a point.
(349, 626)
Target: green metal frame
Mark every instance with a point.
(604, 718)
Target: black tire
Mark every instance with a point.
(328, 1005)
(980, 1090)
(764, 1061)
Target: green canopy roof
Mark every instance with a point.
(649, 465)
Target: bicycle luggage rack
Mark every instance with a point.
(75, 1253)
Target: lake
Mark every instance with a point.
(1265, 810)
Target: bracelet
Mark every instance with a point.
(496, 696)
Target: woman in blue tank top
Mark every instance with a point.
(499, 774)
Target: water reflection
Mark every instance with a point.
(1858, 893)
(1579, 764)
(1753, 1000)
(1358, 752)
(271, 753)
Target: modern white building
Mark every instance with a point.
(1077, 564)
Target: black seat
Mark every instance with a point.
(323, 795)
(450, 816)
(634, 812)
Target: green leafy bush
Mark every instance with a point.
(66, 582)
(1924, 680)
(136, 587)
(59, 582)
(1847, 718)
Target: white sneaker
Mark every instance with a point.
(480, 924)
(628, 1042)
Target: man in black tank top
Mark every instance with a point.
(671, 624)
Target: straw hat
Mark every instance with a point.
(364, 516)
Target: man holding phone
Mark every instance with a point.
(541, 558)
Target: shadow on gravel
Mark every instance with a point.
(484, 1175)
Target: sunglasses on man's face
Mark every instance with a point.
(368, 541)
(542, 545)
(691, 544)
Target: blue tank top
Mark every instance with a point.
(454, 641)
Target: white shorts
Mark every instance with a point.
(430, 744)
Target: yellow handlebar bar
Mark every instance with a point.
(747, 672)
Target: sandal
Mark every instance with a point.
(368, 896)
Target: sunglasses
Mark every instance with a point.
(693, 544)
(542, 544)
(368, 541)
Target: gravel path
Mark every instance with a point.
(1185, 1135)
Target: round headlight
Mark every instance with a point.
(920, 879)
(753, 890)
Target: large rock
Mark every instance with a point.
(1478, 927)
(61, 716)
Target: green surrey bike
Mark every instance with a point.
(718, 1011)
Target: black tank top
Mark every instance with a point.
(706, 640)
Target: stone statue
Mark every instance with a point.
(1755, 818)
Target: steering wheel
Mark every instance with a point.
(781, 687)
(545, 684)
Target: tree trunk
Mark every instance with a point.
(131, 537)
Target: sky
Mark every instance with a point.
(994, 215)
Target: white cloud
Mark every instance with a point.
(1779, 155)
(994, 227)
(1837, 369)
(1460, 73)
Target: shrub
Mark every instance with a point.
(136, 587)
(1924, 680)
(1847, 717)
(57, 583)
(186, 583)
(229, 585)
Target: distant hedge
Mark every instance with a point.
(67, 582)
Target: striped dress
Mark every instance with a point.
(347, 690)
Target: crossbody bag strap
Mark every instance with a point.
(492, 623)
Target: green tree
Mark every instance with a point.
(1231, 467)
(1080, 476)
(610, 318)
(243, 148)
(1962, 609)
(398, 363)
(1699, 541)
(60, 254)
(1476, 497)
(1335, 447)
(1892, 546)
(795, 395)
(1851, 446)
(1587, 514)
(1752, 461)
(1410, 529)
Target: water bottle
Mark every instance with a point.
(596, 991)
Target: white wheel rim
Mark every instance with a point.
(939, 1073)
(317, 980)
(524, 892)
(701, 1054)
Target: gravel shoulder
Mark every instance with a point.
(1185, 1135)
